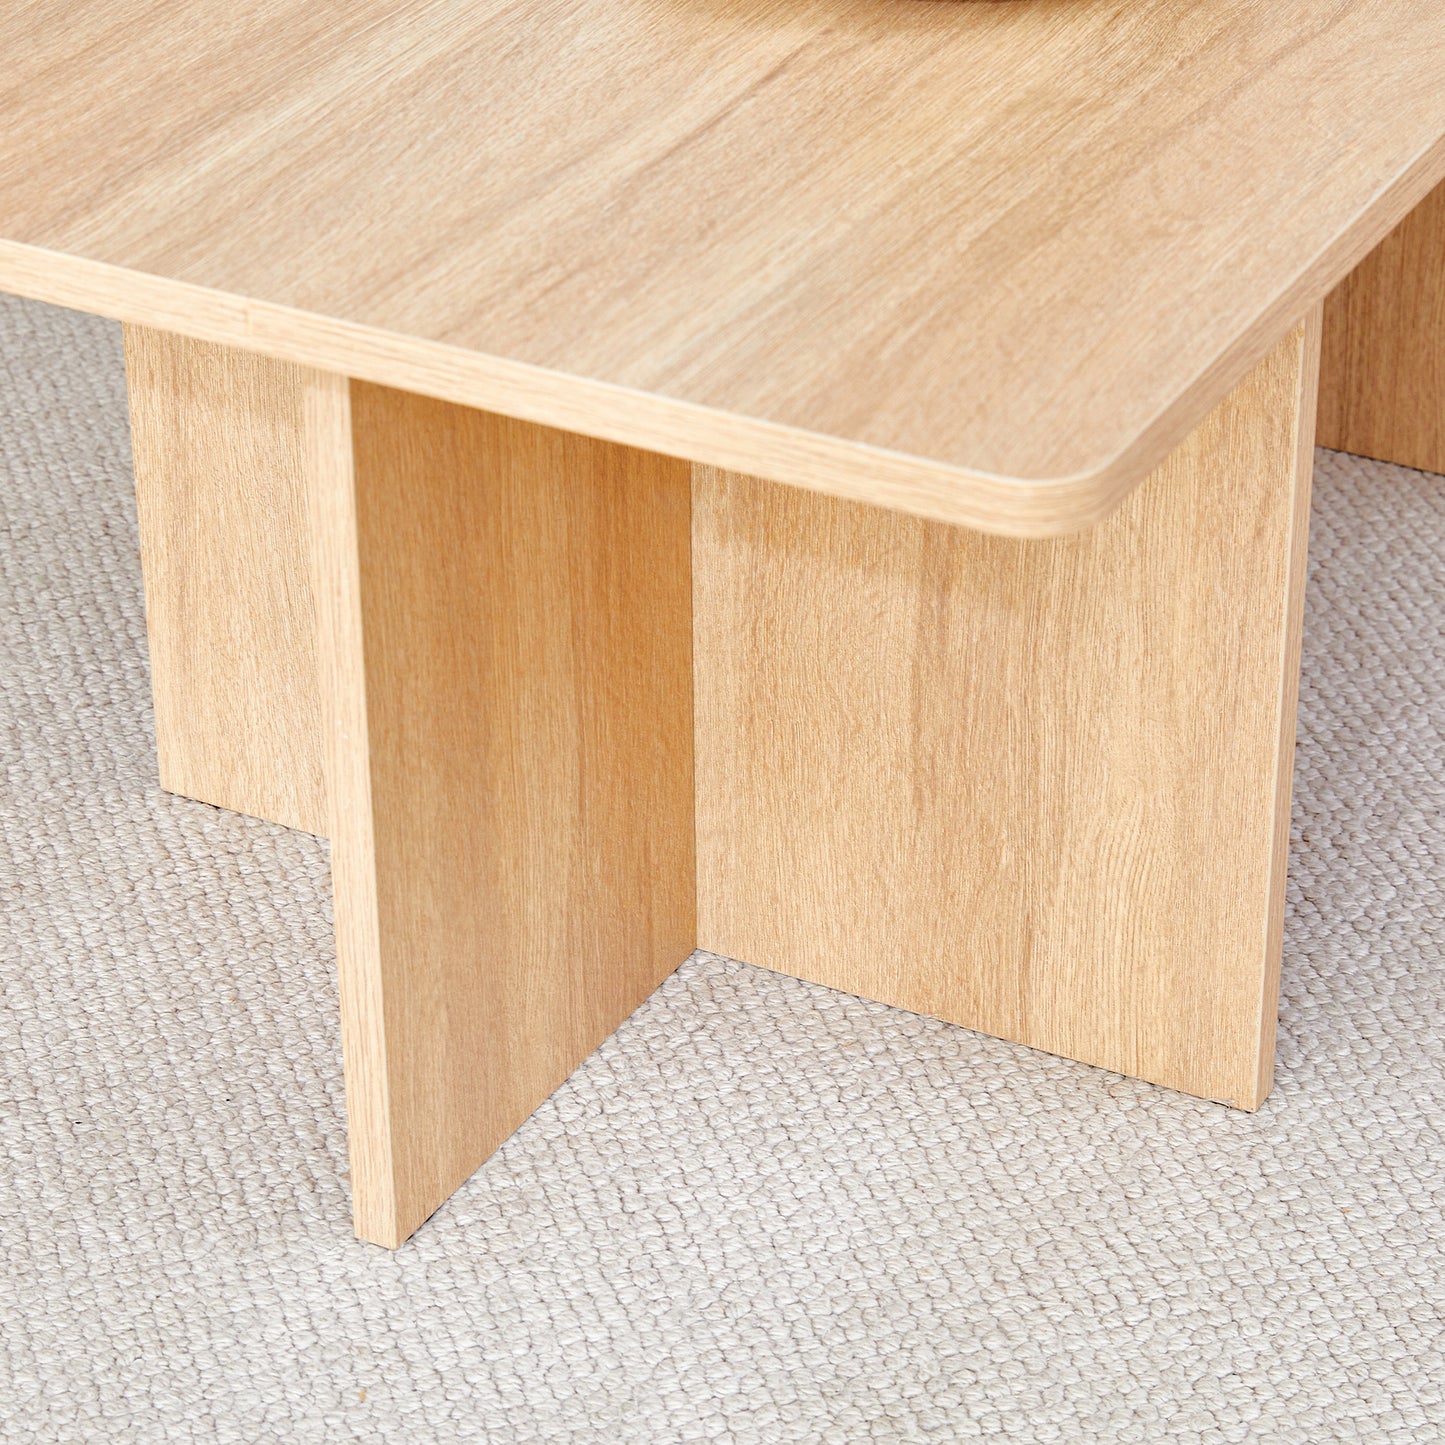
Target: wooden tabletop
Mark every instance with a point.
(986, 261)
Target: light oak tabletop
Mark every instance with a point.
(984, 261)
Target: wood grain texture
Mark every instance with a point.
(987, 263)
(1039, 788)
(1382, 375)
(506, 643)
(225, 550)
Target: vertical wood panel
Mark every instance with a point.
(506, 628)
(1382, 376)
(220, 493)
(1039, 788)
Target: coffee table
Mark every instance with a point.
(825, 481)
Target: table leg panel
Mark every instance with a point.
(1382, 376)
(505, 622)
(221, 499)
(1039, 788)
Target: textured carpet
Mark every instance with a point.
(763, 1211)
